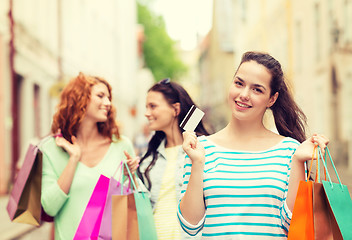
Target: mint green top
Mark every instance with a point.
(68, 209)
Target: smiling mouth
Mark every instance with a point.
(105, 111)
(242, 105)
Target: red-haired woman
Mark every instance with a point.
(87, 144)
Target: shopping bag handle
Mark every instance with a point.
(318, 167)
(325, 165)
(311, 163)
(130, 176)
(119, 167)
(121, 177)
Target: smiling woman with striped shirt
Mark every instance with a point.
(241, 182)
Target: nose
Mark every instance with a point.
(244, 95)
(107, 102)
(147, 112)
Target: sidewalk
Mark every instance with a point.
(8, 229)
(19, 231)
(12, 231)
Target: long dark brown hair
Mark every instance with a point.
(289, 119)
(173, 93)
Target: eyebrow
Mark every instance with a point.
(102, 92)
(255, 85)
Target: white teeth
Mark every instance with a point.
(242, 105)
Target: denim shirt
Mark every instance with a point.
(157, 172)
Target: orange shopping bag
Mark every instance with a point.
(302, 223)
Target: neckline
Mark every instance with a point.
(101, 161)
(246, 151)
(173, 147)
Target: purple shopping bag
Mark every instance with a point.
(90, 223)
(105, 232)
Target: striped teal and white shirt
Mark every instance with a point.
(244, 192)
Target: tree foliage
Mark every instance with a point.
(158, 48)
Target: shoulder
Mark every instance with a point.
(123, 140)
(207, 143)
(203, 139)
(290, 142)
(53, 153)
(48, 144)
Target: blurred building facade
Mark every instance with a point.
(45, 43)
(216, 64)
(312, 41)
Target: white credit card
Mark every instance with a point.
(192, 119)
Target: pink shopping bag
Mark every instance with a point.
(105, 231)
(24, 202)
(90, 223)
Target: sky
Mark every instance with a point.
(185, 19)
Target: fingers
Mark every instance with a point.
(58, 133)
(321, 141)
(189, 139)
(132, 163)
(60, 141)
(128, 156)
(73, 139)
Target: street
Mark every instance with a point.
(17, 231)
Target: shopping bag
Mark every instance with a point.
(115, 188)
(325, 225)
(132, 215)
(302, 225)
(89, 225)
(124, 218)
(146, 224)
(339, 201)
(24, 202)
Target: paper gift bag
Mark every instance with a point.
(24, 202)
(89, 225)
(302, 223)
(115, 188)
(146, 224)
(340, 201)
(124, 218)
(301, 226)
(325, 225)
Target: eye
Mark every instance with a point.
(258, 90)
(238, 83)
(151, 106)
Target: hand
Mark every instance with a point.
(73, 149)
(305, 151)
(132, 163)
(193, 148)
